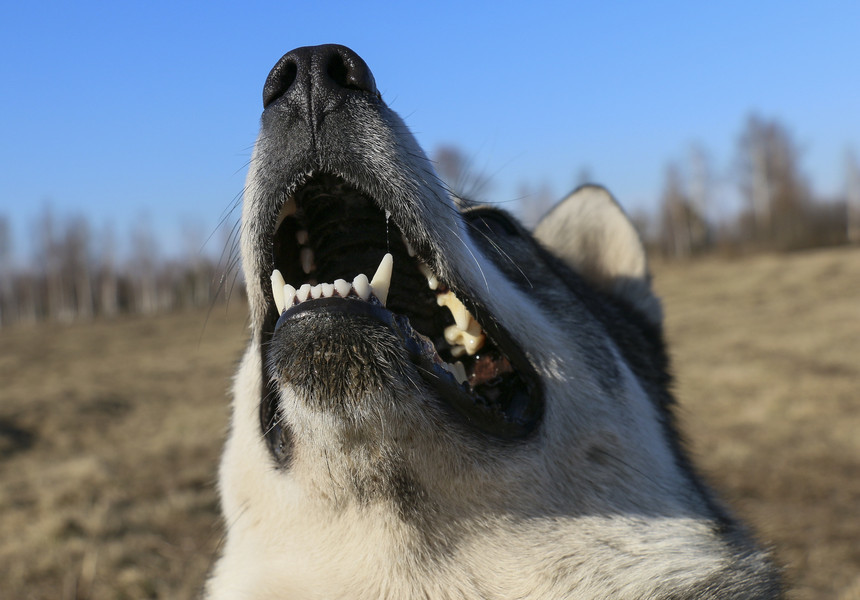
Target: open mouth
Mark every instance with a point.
(334, 249)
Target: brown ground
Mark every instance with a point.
(110, 432)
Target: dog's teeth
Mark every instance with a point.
(460, 372)
(467, 334)
(457, 351)
(303, 292)
(327, 290)
(289, 295)
(287, 210)
(302, 237)
(278, 290)
(461, 315)
(316, 291)
(361, 286)
(474, 342)
(409, 247)
(432, 280)
(343, 287)
(382, 278)
(307, 258)
(465, 342)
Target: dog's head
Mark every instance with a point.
(390, 322)
(428, 369)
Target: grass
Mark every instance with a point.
(767, 358)
(110, 431)
(109, 442)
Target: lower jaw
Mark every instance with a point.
(516, 422)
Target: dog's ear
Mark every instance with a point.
(590, 232)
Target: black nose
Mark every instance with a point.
(330, 72)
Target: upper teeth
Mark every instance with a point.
(465, 337)
(288, 209)
(286, 295)
(382, 279)
(307, 258)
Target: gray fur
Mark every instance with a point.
(384, 491)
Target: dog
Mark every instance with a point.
(437, 403)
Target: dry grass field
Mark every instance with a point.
(110, 431)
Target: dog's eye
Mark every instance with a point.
(492, 222)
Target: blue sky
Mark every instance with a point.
(130, 112)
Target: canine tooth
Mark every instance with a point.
(287, 210)
(307, 258)
(361, 286)
(327, 290)
(432, 280)
(302, 237)
(278, 290)
(316, 291)
(409, 247)
(382, 278)
(289, 295)
(343, 287)
(303, 292)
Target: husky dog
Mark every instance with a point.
(436, 403)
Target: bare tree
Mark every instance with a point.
(852, 197)
(107, 278)
(535, 202)
(467, 184)
(683, 230)
(583, 176)
(8, 304)
(700, 180)
(77, 266)
(57, 304)
(777, 193)
(142, 269)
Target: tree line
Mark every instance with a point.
(75, 273)
(779, 210)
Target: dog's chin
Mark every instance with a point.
(354, 358)
(341, 356)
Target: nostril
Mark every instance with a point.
(348, 71)
(337, 70)
(350, 76)
(279, 81)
